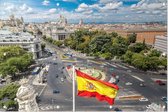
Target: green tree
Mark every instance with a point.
(132, 38)
(154, 52)
(138, 47)
(128, 57)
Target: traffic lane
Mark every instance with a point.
(150, 91)
(56, 83)
(137, 84)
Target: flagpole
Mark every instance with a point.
(73, 75)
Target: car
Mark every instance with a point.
(117, 109)
(62, 79)
(142, 85)
(56, 76)
(64, 76)
(54, 63)
(56, 91)
(164, 99)
(128, 83)
(143, 99)
(160, 82)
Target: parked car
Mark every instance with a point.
(160, 82)
(143, 99)
(128, 83)
(56, 91)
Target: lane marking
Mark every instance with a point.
(122, 66)
(111, 65)
(137, 78)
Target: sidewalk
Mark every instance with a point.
(36, 81)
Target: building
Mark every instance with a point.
(161, 44)
(60, 33)
(24, 39)
(147, 35)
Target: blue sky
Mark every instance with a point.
(88, 10)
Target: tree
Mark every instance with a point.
(99, 41)
(128, 57)
(137, 48)
(9, 92)
(106, 55)
(57, 43)
(132, 38)
(154, 52)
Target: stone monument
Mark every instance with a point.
(26, 97)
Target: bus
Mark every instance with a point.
(36, 71)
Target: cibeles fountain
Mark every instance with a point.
(26, 97)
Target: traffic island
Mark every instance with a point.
(130, 97)
(98, 74)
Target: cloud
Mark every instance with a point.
(52, 11)
(9, 7)
(111, 6)
(146, 5)
(82, 7)
(69, 0)
(111, 1)
(26, 9)
(45, 2)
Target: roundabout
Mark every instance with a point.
(98, 74)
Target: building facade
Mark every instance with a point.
(161, 44)
(147, 35)
(24, 40)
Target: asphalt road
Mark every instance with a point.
(63, 100)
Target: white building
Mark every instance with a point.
(24, 39)
(161, 44)
(60, 33)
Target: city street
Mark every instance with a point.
(62, 101)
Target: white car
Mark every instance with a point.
(143, 99)
(128, 83)
(62, 79)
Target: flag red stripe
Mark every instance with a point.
(97, 95)
(83, 75)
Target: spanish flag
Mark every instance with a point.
(91, 87)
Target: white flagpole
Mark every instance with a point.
(73, 76)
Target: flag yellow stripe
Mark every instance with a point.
(83, 85)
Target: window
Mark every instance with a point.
(61, 37)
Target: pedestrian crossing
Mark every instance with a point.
(49, 107)
(116, 65)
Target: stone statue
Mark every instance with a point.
(26, 97)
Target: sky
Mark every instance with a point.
(97, 11)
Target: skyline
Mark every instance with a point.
(98, 11)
